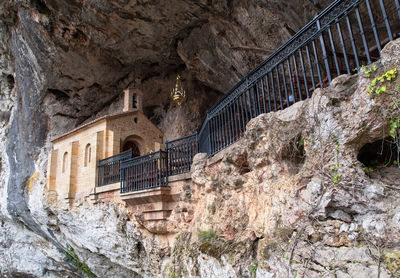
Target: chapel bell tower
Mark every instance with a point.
(133, 100)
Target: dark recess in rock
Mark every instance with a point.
(41, 7)
(4, 116)
(60, 95)
(11, 81)
(379, 153)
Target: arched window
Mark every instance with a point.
(65, 161)
(88, 154)
(134, 101)
(131, 145)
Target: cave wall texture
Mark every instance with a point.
(71, 59)
(63, 63)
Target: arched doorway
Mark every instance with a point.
(131, 145)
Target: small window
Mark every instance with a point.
(65, 161)
(134, 101)
(88, 154)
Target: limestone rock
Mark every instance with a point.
(269, 205)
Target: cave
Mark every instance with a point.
(381, 153)
(80, 170)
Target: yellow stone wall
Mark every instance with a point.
(106, 137)
(137, 128)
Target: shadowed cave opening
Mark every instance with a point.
(381, 153)
(381, 161)
(41, 7)
(294, 154)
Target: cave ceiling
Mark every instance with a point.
(90, 50)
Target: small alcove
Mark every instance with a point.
(379, 153)
(380, 160)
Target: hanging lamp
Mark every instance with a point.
(178, 94)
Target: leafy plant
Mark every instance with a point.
(394, 125)
(82, 266)
(376, 86)
(368, 170)
(368, 70)
(253, 269)
(334, 168)
(207, 235)
(172, 272)
(379, 86)
(212, 208)
(392, 261)
(336, 179)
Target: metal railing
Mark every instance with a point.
(345, 36)
(108, 170)
(144, 172)
(180, 154)
(339, 40)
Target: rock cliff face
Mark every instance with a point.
(295, 198)
(291, 198)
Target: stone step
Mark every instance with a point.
(157, 215)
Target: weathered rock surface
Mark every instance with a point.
(269, 206)
(295, 188)
(89, 51)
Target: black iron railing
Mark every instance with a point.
(346, 35)
(144, 172)
(342, 38)
(180, 154)
(108, 170)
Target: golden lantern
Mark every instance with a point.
(178, 94)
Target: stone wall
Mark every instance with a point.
(71, 174)
(139, 128)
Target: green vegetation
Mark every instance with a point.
(206, 236)
(392, 261)
(368, 170)
(212, 208)
(172, 272)
(83, 267)
(367, 70)
(253, 269)
(380, 85)
(336, 179)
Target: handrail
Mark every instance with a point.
(139, 159)
(108, 169)
(181, 138)
(334, 42)
(285, 76)
(120, 156)
(180, 153)
(148, 171)
(348, 4)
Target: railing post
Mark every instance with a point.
(208, 136)
(122, 177)
(385, 19)
(324, 53)
(165, 175)
(98, 175)
(167, 160)
(397, 7)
